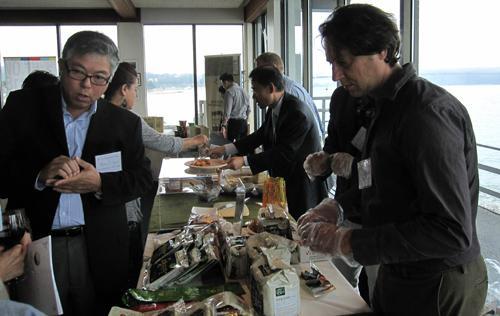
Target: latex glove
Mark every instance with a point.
(328, 211)
(317, 164)
(325, 238)
(341, 164)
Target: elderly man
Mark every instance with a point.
(77, 161)
(417, 175)
(287, 135)
(291, 87)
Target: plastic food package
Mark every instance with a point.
(274, 192)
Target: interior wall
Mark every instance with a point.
(131, 49)
(274, 26)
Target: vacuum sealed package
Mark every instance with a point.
(235, 257)
(315, 282)
(193, 256)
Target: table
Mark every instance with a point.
(344, 300)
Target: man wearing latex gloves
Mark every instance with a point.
(287, 136)
(417, 175)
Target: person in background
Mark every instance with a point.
(291, 87)
(418, 177)
(38, 79)
(236, 109)
(78, 161)
(122, 92)
(287, 135)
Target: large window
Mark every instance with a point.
(25, 41)
(68, 30)
(461, 55)
(169, 72)
(216, 40)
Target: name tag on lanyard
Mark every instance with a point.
(364, 173)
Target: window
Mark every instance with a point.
(30, 41)
(68, 30)
(461, 55)
(216, 40)
(169, 72)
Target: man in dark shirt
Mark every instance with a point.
(418, 177)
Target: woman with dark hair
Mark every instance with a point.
(122, 91)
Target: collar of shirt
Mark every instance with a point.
(395, 82)
(85, 115)
(276, 108)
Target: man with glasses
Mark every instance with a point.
(417, 176)
(76, 161)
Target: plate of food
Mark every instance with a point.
(206, 163)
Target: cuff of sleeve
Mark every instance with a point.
(230, 149)
(245, 159)
(39, 185)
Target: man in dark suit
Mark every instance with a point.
(77, 161)
(287, 135)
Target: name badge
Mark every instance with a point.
(365, 174)
(111, 162)
(359, 139)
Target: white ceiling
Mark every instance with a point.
(104, 4)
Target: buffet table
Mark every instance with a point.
(344, 300)
(172, 210)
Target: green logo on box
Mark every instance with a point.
(280, 291)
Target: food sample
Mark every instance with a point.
(201, 163)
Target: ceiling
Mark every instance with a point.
(100, 4)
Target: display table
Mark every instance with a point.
(344, 300)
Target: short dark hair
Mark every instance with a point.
(267, 75)
(362, 29)
(226, 77)
(38, 79)
(124, 74)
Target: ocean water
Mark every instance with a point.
(481, 101)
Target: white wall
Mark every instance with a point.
(274, 26)
(131, 49)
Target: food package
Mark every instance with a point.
(221, 304)
(235, 257)
(274, 192)
(315, 282)
(274, 291)
(192, 257)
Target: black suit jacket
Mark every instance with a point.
(296, 137)
(32, 130)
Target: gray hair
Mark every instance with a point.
(90, 42)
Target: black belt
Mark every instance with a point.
(67, 232)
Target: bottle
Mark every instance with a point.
(240, 205)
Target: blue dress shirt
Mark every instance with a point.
(70, 209)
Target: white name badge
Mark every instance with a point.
(111, 162)
(359, 139)
(365, 174)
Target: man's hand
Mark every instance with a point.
(328, 211)
(235, 163)
(60, 167)
(341, 164)
(217, 152)
(11, 262)
(88, 180)
(317, 164)
(224, 132)
(327, 238)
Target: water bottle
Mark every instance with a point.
(240, 204)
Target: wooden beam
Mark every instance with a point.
(254, 9)
(67, 16)
(124, 8)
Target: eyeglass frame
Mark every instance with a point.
(75, 71)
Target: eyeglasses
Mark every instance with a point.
(98, 80)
